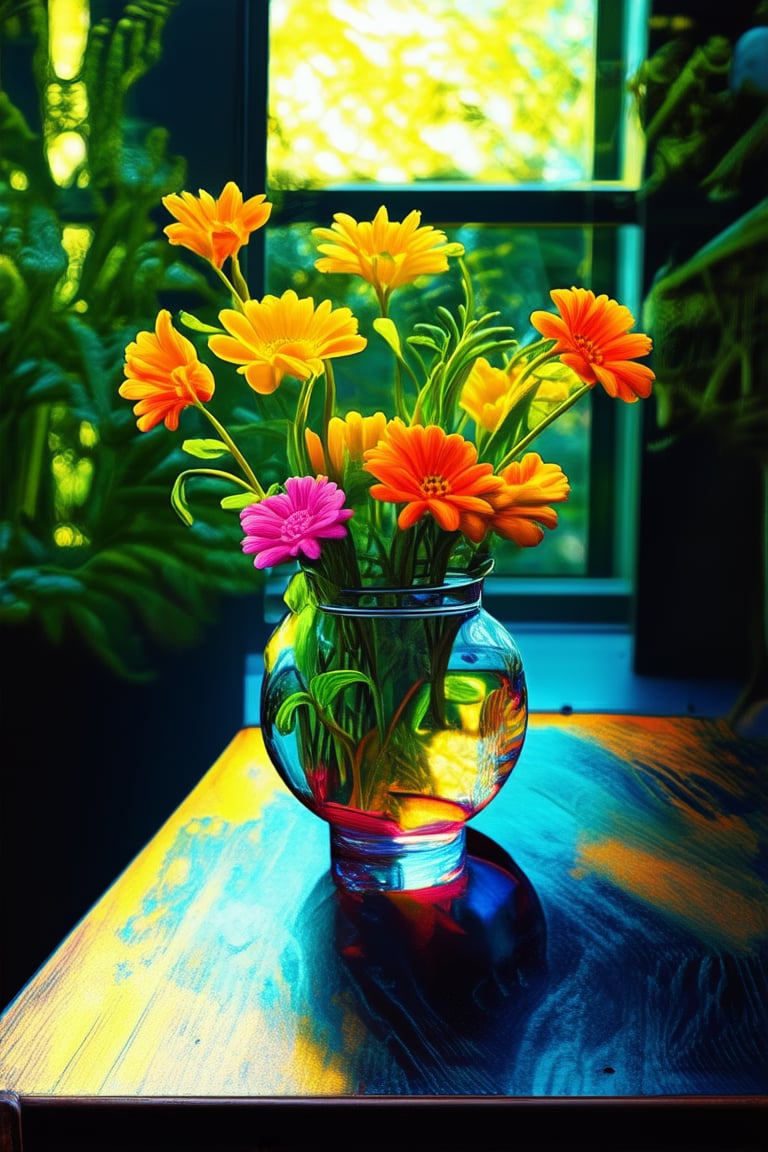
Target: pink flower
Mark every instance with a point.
(294, 521)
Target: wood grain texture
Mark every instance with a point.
(612, 942)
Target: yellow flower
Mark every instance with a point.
(215, 229)
(490, 393)
(385, 253)
(285, 336)
(347, 439)
(485, 395)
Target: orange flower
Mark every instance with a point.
(348, 439)
(521, 507)
(285, 336)
(429, 470)
(164, 374)
(215, 229)
(385, 253)
(593, 338)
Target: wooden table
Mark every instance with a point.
(605, 974)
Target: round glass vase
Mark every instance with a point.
(394, 714)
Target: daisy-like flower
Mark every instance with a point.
(593, 337)
(215, 228)
(521, 509)
(285, 336)
(348, 439)
(386, 253)
(164, 374)
(294, 522)
(430, 471)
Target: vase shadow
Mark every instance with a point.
(446, 979)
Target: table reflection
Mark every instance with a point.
(444, 979)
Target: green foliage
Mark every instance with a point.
(323, 690)
(89, 545)
(705, 119)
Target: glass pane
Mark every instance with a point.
(513, 269)
(394, 91)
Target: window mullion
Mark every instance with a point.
(601, 205)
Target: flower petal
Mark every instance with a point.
(592, 337)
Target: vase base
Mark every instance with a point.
(369, 863)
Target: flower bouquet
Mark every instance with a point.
(393, 705)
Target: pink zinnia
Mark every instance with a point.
(282, 526)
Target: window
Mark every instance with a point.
(506, 122)
(510, 126)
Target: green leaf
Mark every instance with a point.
(192, 322)
(326, 686)
(100, 639)
(239, 500)
(284, 717)
(387, 329)
(121, 559)
(37, 583)
(555, 370)
(464, 689)
(205, 449)
(15, 611)
(425, 342)
(297, 595)
(49, 386)
(179, 500)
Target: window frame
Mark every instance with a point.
(604, 596)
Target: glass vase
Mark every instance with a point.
(394, 714)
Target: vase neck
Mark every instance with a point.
(459, 594)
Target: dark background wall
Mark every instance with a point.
(699, 587)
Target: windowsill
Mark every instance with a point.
(591, 671)
(581, 670)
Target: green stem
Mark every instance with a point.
(222, 475)
(341, 736)
(34, 462)
(237, 299)
(329, 406)
(522, 395)
(356, 797)
(550, 419)
(399, 711)
(400, 406)
(239, 280)
(301, 421)
(401, 409)
(248, 472)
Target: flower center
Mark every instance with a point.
(590, 351)
(296, 525)
(289, 346)
(432, 486)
